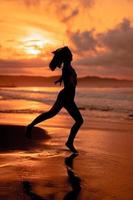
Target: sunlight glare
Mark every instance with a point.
(35, 43)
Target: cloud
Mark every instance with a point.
(83, 41)
(20, 63)
(72, 9)
(26, 2)
(31, 2)
(119, 38)
(65, 10)
(73, 13)
(118, 41)
(33, 66)
(87, 3)
(119, 46)
(115, 47)
(60, 3)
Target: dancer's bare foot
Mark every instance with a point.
(71, 147)
(28, 131)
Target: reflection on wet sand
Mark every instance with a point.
(28, 191)
(74, 180)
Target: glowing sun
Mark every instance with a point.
(34, 44)
(33, 50)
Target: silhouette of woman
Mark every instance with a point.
(62, 59)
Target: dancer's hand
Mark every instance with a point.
(58, 81)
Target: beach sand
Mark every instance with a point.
(43, 168)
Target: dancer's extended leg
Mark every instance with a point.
(44, 116)
(74, 112)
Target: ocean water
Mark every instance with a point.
(107, 103)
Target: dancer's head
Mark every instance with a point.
(61, 55)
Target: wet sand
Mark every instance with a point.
(43, 168)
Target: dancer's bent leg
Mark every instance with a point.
(74, 112)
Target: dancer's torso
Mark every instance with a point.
(69, 78)
(70, 81)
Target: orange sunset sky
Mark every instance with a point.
(99, 32)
